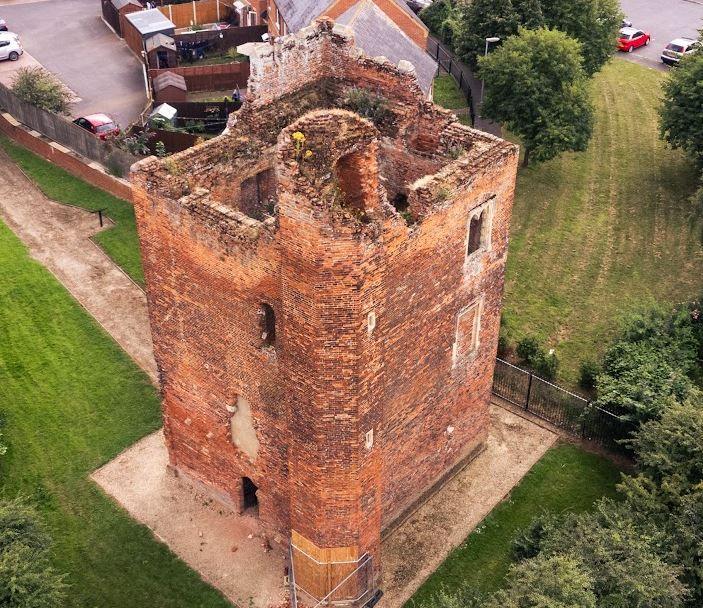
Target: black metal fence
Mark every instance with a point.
(458, 71)
(569, 411)
(67, 134)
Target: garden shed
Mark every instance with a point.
(115, 10)
(142, 25)
(161, 52)
(169, 86)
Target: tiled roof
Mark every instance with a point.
(377, 34)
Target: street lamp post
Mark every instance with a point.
(491, 40)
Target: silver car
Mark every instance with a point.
(10, 46)
(678, 48)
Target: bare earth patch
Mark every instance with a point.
(224, 547)
(58, 236)
(228, 549)
(415, 549)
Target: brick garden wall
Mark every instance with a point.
(63, 157)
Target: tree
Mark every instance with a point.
(41, 89)
(536, 87)
(436, 17)
(481, 19)
(529, 13)
(546, 582)
(27, 579)
(594, 23)
(621, 558)
(681, 116)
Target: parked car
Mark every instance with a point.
(626, 23)
(100, 125)
(678, 48)
(3, 25)
(10, 46)
(631, 39)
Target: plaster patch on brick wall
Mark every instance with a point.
(242, 429)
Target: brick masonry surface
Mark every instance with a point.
(348, 237)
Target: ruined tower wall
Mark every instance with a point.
(435, 407)
(207, 275)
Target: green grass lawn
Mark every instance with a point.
(446, 93)
(120, 242)
(599, 233)
(72, 400)
(565, 479)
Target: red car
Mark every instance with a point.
(100, 125)
(631, 39)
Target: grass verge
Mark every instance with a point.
(73, 400)
(120, 242)
(599, 233)
(446, 93)
(565, 479)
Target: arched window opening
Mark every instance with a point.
(268, 325)
(475, 233)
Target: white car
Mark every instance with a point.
(10, 46)
(678, 48)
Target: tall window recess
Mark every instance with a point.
(468, 328)
(268, 325)
(480, 226)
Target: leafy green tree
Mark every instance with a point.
(621, 558)
(639, 382)
(42, 89)
(671, 448)
(536, 87)
(681, 110)
(594, 23)
(481, 19)
(546, 582)
(436, 17)
(27, 579)
(529, 13)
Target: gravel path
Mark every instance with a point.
(58, 236)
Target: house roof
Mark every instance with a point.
(118, 4)
(378, 35)
(150, 22)
(160, 40)
(300, 13)
(169, 79)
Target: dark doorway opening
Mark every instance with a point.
(251, 502)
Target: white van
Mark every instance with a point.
(10, 46)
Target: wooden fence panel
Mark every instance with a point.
(225, 76)
(198, 12)
(111, 16)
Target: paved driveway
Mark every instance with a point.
(664, 20)
(69, 38)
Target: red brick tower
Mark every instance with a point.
(325, 291)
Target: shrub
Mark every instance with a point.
(588, 374)
(42, 89)
(528, 349)
(27, 579)
(545, 364)
(367, 104)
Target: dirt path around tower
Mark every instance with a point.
(58, 236)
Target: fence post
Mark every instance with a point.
(461, 80)
(529, 392)
(583, 420)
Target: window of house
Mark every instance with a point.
(468, 324)
(268, 325)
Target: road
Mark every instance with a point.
(664, 20)
(69, 38)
